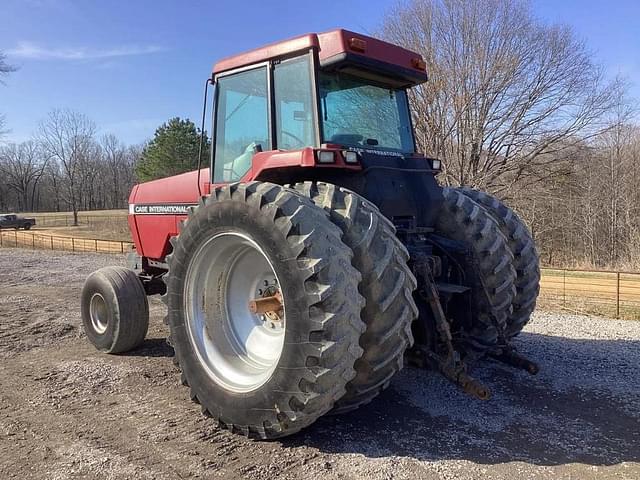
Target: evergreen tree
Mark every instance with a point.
(173, 150)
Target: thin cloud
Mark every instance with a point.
(34, 51)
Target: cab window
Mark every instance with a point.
(293, 92)
(242, 123)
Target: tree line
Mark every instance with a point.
(522, 109)
(66, 166)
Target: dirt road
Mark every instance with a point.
(67, 411)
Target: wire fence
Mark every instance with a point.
(53, 242)
(67, 220)
(609, 293)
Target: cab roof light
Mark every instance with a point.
(326, 156)
(357, 44)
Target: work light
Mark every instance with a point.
(350, 157)
(326, 156)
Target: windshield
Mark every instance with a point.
(360, 114)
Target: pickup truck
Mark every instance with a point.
(14, 221)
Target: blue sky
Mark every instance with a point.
(131, 65)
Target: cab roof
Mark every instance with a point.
(339, 49)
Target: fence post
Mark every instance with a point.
(618, 295)
(33, 241)
(15, 234)
(564, 288)
(96, 241)
(73, 244)
(121, 247)
(51, 238)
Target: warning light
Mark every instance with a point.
(418, 63)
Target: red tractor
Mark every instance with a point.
(318, 252)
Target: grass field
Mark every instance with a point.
(91, 213)
(105, 231)
(109, 229)
(615, 294)
(101, 224)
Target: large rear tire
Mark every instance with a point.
(254, 378)
(490, 271)
(387, 286)
(525, 258)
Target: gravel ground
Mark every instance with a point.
(67, 411)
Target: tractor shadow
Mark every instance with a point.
(583, 407)
(152, 347)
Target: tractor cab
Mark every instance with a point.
(314, 106)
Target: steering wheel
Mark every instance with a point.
(297, 139)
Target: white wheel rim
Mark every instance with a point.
(238, 349)
(99, 313)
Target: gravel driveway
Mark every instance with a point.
(67, 411)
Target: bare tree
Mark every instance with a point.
(509, 98)
(114, 153)
(67, 137)
(133, 156)
(21, 166)
(53, 186)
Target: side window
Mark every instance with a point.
(295, 119)
(242, 123)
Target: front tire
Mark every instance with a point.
(219, 344)
(115, 311)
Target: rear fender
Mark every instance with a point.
(156, 209)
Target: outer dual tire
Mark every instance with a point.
(525, 258)
(490, 271)
(322, 307)
(387, 286)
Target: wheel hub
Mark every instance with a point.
(99, 313)
(235, 312)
